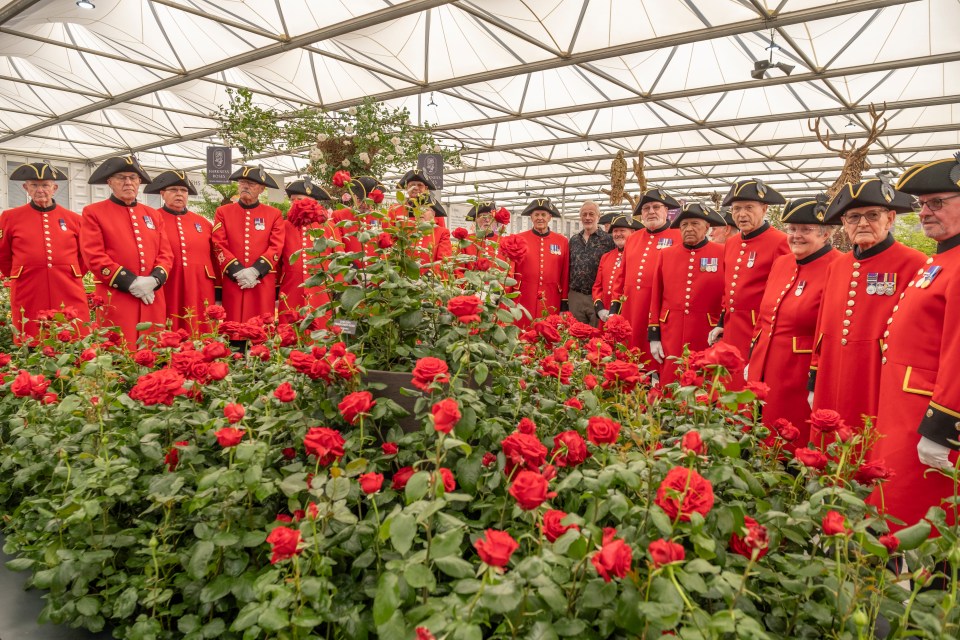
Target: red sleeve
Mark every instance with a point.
(94, 249)
(221, 246)
(597, 290)
(656, 299)
(6, 251)
(75, 222)
(164, 259)
(275, 244)
(442, 248)
(291, 244)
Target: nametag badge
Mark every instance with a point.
(147, 220)
(348, 327)
(198, 227)
(751, 259)
(554, 249)
(929, 276)
(663, 243)
(800, 287)
(63, 224)
(258, 224)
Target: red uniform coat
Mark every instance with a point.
(608, 287)
(920, 387)
(120, 242)
(193, 277)
(783, 336)
(433, 248)
(40, 253)
(639, 260)
(542, 276)
(293, 295)
(248, 237)
(850, 329)
(350, 224)
(685, 300)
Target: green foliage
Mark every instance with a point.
(909, 232)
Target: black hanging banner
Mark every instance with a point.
(219, 161)
(432, 165)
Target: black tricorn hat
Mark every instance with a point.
(697, 211)
(542, 204)
(117, 164)
(725, 214)
(416, 175)
(486, 206)
(37, 171)
(362, 186)
(623, 221)
(254, 174)
(866, 193)
(171, 178)
(807, 211)
(306, 187)
(753, 189)
(656, 195)
(939, 176)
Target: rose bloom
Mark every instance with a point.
(890, 541)
(617, 329)
(376, 195)
(172, 459)
(449, 482)
(524, 451)
(370, 482)
(513, 248)
(582, 330)
(496, 549)
(785, 429)
(229, 437)
(218, 370)
(664, 552)
(826, 420)
(552, 525)
(284, 392)
(234, 412)
(569, 449)
(691, 442)
(145, 358)
(428, 371)
(602, 430)
(356, 404)
(284, 542)
(530, 489)
(502, 216)
(158, 387)
(835, 524)
(614, 557)
(446, 414)
(623, 374)
(755, 539)
(759, 389)
(384, 240)
(401, 478)
(573, 403)
(389, 448)
(488, 459)
(684, 492)
(326, 444)
(340, 178)
(25, 385)
(289, 453)
(216, 312)
(527, 426)
(213, 350)
(466, 308)
(460, 233)
(871, 472)
(424, 634)
(590, 381)
(723, 354)
(811, 458)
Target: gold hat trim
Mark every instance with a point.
(787, 214)
(912, 172)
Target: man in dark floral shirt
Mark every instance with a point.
(586, 248)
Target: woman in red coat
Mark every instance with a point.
(542, 275)
(682, 316)
(193, 280)
(783, 336)
(863, 287)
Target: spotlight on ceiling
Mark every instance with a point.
(431, 103)
(86, 4)
(760, 67)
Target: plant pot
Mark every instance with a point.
(394, 381)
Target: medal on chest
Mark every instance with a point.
(258, 224)
(63, 224)
(752, 259)
(197, 226)
(708, 265)
(147, 220)
(800, 286)
(663, 243)
(554, 249)
(928, 276)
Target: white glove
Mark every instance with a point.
(142, 287)
(248, 278)
(810, 399)
(933, 455)
(603, 314)
(746, 370)
(714, 335)
(656, 350)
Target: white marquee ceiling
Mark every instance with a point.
(540, 94)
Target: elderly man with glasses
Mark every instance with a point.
(863, 287)
(125, 244)
(919, 413)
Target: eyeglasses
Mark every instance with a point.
(125, 179)
(935, 204)
(853, 219)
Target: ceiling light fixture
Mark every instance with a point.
(760, 67)
(431, 103)
(86, 4)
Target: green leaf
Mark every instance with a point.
(219, 587)
(419, 576)
(912, 537)
(417, 486)
(248, 616)
(542, 630)
(125, 604)
(337, 488)
(480, 373)
(88, 606)
(446, 544)
(454, 567)
(20, 564)
(403, 528)
(199, 559)
(273, 619)
(351, 297)
(387, 598)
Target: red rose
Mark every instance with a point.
(446, 414)
(835, 524)
(172, 459)
(370, 482)
(524, 451)
(569, 449)
(401, 477)
(890, 541)
(466, 308)
(424, 634)
(692, 443)
(623, 374)
(460, 233)
(590, 382)
(376, 195)
(218, 370)
(326, 444)
(284, 392)
(614, 557)
(513, 248)
(811, 458)
(665, 552)
(5, 359)
(449, 482)
(530, 489)
(602, 430)
(754, 540)
(583, 331)
(759, 389)
(389, 448)
(527, 426)
(496, 549)
(356, 404)
(259, 352)
(573, 403)
(234, 412)
(428, 371)
(284, 542)
(158, 387)
(871, 472)
(684, 492)
(216, 312)
(289, 453)
(785, 429)
(384, 240)
(723, 354)
(229, 437)
(488, 459)
(340, 178)
(25, 385)
(502, 216)
(145, 358)
(213, 350)
(49, 398)
(282, 517)
(618, 329)
(552, 525)
(826, 420)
